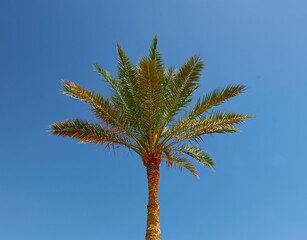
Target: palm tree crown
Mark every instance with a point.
(147, 113)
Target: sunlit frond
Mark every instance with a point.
(114, 84)
(197, 154)
(216, 122)
(119, 100)
(154, 53)
(173, 159)
(215, 98)
(180, 87)
(152, 102)
(127, 77)
(92, 133)
(102, 108)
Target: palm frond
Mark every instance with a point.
(214, 98)
(216, 122)
(173, 159)
(111, 81)
(102, 108)
(151, 103)
(154, 53)
(117, 98)
(127, 77)
(180, 87)
(92, 133)
(196, 153)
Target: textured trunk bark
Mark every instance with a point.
(153, 222)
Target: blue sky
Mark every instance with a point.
(54, 188)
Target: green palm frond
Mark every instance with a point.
(214, 98)
(118, 99)
(128, 87)
(184, 83)
(102, 108)
(152, 103)
(112, 81)
(180, 87)
(216, 122)
(173, 159)
(196, 153)
(92, 133)
(127, 77)
(154, 53)
(169, 75)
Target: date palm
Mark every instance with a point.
(147, 113)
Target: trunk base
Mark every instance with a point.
(153, 228)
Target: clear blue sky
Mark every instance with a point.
(53, 188)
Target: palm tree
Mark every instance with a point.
(147, 113)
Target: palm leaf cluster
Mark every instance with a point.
(147, 111)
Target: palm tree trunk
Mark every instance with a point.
(153, 222)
